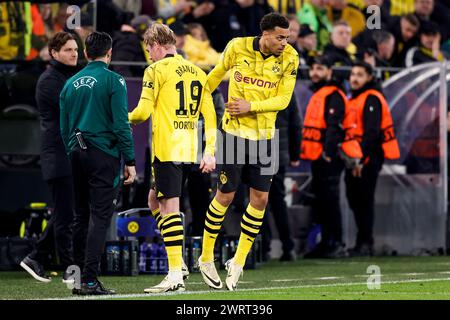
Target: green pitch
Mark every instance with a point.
(401, 278)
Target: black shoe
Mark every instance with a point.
(76, 291)
(363, 250)
(336, 252)
(287, 256)
(35, 269)
(94, 288)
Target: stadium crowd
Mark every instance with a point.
(402, 34)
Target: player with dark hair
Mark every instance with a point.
(263, 73)
(96, 133)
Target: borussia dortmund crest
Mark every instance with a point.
(223, 178)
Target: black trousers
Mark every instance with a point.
(198, 191)
(326, 207)
(60, 224)
(96, 181)
(361, 199)
(278, 207)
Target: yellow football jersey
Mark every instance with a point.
(174, 92)
(267, 82)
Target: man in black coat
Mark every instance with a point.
(405, 30)
(55, 164)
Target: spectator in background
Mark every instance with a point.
(249, 13)
(150, 8)
(405, 31)
(167, 9)
(38, 36)
(315, 15)
(399, 7)
(382, 54)
(306, 44)
(430, 10)
(181, 31)
(133, 6)
(337, 50)
(339, 10)
(286, 7)
(55, 163)
(428, 48)
(218, 19)
(198, 48)
(110, 18)
(294, 29)
(128, 46)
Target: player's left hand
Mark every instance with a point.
(237, 106)
(208, 163)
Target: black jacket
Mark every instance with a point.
(289, 126)
(127, 47)
(372, 137)
(339, 58)
(401, 47)
(54, 160)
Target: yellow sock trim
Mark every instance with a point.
(174, 257)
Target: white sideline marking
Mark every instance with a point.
(140, 295)
(327, 278)
(285, 280)
(413, 274)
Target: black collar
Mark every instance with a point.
(256, 47)
(63, 68)
(169, 55)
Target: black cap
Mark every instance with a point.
(179, 28)
(429, 28)
(321, 60)
(141, 23)
(305, 30)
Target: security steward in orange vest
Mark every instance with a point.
(375, 132)
(322, 133)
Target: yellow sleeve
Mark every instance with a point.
(146, 104)
(284, 94)
(226, 61)
(209, 115)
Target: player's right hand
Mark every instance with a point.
(208, 163)
(130, 174)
